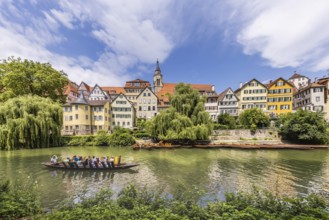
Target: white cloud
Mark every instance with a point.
(287, 33)
(129, 32)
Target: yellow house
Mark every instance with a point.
(84, 116)
(279, 96)
(251, 95)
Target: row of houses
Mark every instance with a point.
(90, 109)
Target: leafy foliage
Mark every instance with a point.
(18, 199)
(30, 122)
(227, 120)
(101, 139)
(185, 120)
(133, 203)
(253, 118)
(121, 137)
(304, 127)
(22, 77)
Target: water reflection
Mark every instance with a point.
(284, 172)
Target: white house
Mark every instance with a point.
(123, 112)
(311, 98)
(228, 102)
(147, 103)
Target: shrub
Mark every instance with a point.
(18, 199)
(220, 127)
(121, 137)
(79, 140)
(253, 117)
(227, 120)
(101, 139)
(303, 127)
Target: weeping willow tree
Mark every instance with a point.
(185, 120)
(30, 122)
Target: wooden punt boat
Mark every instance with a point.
(75, 166)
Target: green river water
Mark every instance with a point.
(286, 172)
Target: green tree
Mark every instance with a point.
(254, 118)
(101, 139)
(304, 127)
(226, 119)
(121, 137)
(30, 122)
(22, 77)
(185, 120)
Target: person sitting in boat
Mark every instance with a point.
(93, 161)
(67, 160)
(112, 162)
(53, 159)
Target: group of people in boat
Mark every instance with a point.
(88, 162)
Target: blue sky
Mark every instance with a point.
(219, 42)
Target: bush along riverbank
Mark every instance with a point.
(133, 203)
(120, 137)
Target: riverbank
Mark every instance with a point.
(261, 144)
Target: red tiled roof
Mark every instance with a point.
(221, 96)
(312, 85)
(87, 86)
(296, 75)
(140, 81)
(169, 88)
(114, 89)
(71, 87)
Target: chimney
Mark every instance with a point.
(271, 81)
(240, 85)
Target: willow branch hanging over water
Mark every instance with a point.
(30, 122)
(185, 120)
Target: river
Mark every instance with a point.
(284, 172)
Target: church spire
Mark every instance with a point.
(157, 78)
(157, 68)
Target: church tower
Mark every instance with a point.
(157, 79)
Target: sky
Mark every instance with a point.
(218, 42)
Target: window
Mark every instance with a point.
(118, 123)
(71, 118)
(86, 108)
(318, 99)
(86, 117)
(100, 118)
(95, 118)
(282, 107)
(66, 127)
(76, 107)
(149, 94)
(153, 108)
(77, 127)
(76, 116)
(140, 108)
(149, 108)
(100, 127)
(128, 123)
(144, 94)
(123, 123)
